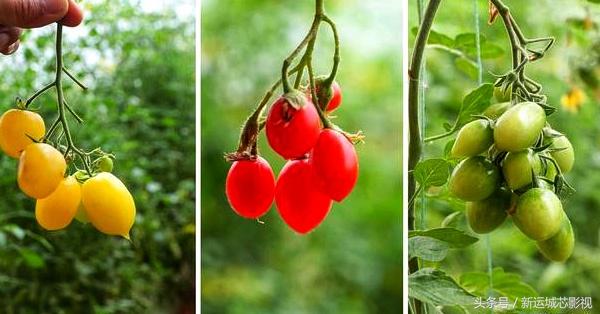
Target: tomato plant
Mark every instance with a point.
(58, 209)
(322, 162)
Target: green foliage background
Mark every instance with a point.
(140, 67)
(352, 262)
(573, 53)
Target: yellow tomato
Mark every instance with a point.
(108, 204)
(16, 126)
(57, 210)
(41, 169)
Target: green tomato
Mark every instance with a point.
(559, 247)
(550, 170)
(474, 179)
(519, 127)
(105, 164)
(473, 139)
(502, 95)
(496, 110)
(517, 167)
(565, 157)
(487, 215)
(539, 214)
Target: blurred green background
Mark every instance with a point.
(572, 65)
(138, 60)
(352, 262)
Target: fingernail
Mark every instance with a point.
(12, 48)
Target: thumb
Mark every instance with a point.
(32, 13)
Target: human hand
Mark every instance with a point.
(18, 14)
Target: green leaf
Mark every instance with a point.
(474, 103)
(436, 287)
(427, 248)
(448, 148)
(466, 43)
(32, 258)
(436, 38)
(432, 172)
(594, 1)
(453, 220)
(466, 66)
(505, 284)
(15, 230)
(456, 239)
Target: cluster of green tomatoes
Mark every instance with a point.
(512, 164)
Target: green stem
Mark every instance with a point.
(72, 77)
(38, 93)
(336, 54)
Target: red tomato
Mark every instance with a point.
(336, 97)
(336, 164)
(250, 187)
(292, 132)
(299, 201)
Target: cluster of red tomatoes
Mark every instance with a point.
(98, 197)
(322, 167)
(512, 164)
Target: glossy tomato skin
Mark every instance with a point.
(335, 163)
(501, 94)
(15, 128)
(300, 203)
(487, 215)
(250, 187)
(41, 169)
(519, 127)
(108, 204)
(517, 168)
(474, 179)
(292, 132)
(563, 154)
(559, 247)
(494, 111)
(58, 209)
(539, 214)
(473, 139)
(336, 97)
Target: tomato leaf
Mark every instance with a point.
(455, 238)
(466, 43)
(436, 287)
(427, 248)
(432, 172)
(437, 38)
(474, 103)
(466, 66)
(505, 284)
(32, 258)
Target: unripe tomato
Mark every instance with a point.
(250, 187)
(539, 214)
(473, 139)
(474, 179)
(559, 247)
(494, 111)
(108, 204)
(301, 204)
(487, 215)
(15, 126)
(57, 210)
(336, 97)
(519, 127)
(335, 163)
(565, 157)
(105, 164)
(517, 167)
(41, 169)
(502, 95)
(550, 170)
(292, 132)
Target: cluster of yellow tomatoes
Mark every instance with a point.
(98, 197)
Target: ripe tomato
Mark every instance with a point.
(565, 157)
(559, 247)
(335, 163)
(496, 110)
(108, 204)
(517, 167)
(473, 139)
(519, 127)
(336, 97)
(300, 203)
(487, 215)
(292, 132)
(41, 169)
(539, 214)
(250, 187)
(15, 126)
(57, 210)
(474, 179)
